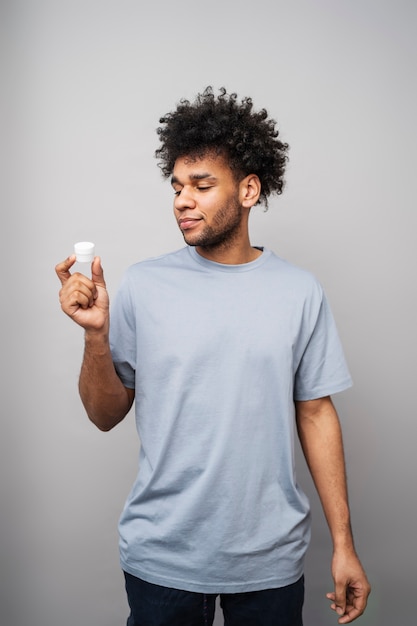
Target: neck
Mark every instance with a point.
(230, 255)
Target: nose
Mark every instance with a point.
(184, 200)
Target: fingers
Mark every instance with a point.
(85, 300)
(77, 290)
(338, 609)
(355, 605)
(97, 276)
(351, 587)
(83, 293)
(62, 269)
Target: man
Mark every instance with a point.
(226, 349)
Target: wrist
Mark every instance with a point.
(343, 544)
(342, 536)
(96, 340)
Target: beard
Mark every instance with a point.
(222, 232)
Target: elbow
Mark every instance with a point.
(105, 423)
(104, 428)
(107, 412)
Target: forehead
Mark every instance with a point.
(195, 167)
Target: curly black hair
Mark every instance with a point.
(224, 126)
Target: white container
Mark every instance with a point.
(84, 251)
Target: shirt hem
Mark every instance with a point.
(212, 588)
(321, 392)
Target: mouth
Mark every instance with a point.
(185, 223)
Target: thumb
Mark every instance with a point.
(340, 598)
(97, 274)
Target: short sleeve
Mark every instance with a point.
(123, 335)
(322, 370)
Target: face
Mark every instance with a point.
(206, 203)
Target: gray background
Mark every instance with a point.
(86, 82)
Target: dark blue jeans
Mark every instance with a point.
(152, 605)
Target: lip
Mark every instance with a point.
(185, 223)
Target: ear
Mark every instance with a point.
(249, 190)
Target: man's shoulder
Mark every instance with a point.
(167, 259)
(284, 268)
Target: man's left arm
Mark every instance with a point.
(321, 440)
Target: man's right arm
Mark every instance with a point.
(105, 398)
(86, 301)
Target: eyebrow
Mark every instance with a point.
(202, 176)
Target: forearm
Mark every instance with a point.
(321, 439)
(105, 398)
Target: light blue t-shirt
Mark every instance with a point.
(217, 354)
